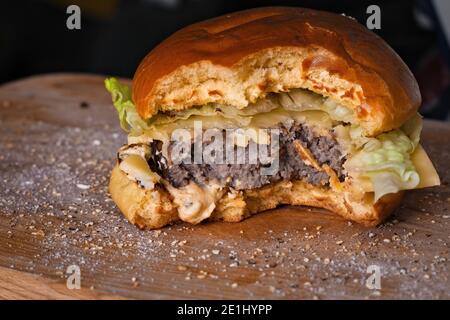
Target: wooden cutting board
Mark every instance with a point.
(58, 140)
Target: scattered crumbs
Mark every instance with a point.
(135, 282)
(86, 228)
(157, 233)
(376, 293)
(39, 233)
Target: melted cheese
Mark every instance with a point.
(137, 169)
(427, 173)
(241, 138)
(315, 118)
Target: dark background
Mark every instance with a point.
(115, 35)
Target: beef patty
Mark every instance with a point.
(325, 150)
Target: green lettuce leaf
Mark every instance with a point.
(121, 97)
(386, 161)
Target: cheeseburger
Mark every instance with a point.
(248, 111)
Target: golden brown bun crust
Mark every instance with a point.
(144, 208)
(238, 58)
(154, 208)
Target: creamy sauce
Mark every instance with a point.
(195, 203)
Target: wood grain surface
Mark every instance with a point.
(58, 140)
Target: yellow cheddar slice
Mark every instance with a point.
(425, 168)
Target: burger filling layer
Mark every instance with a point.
(320, 142)
(302, 153)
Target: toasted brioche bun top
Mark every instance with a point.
(238, 58)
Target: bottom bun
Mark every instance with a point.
(155, 208)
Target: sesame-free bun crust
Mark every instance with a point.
(153, 209)
(237, 58)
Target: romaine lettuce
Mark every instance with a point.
(386, 160)
(121, 97)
